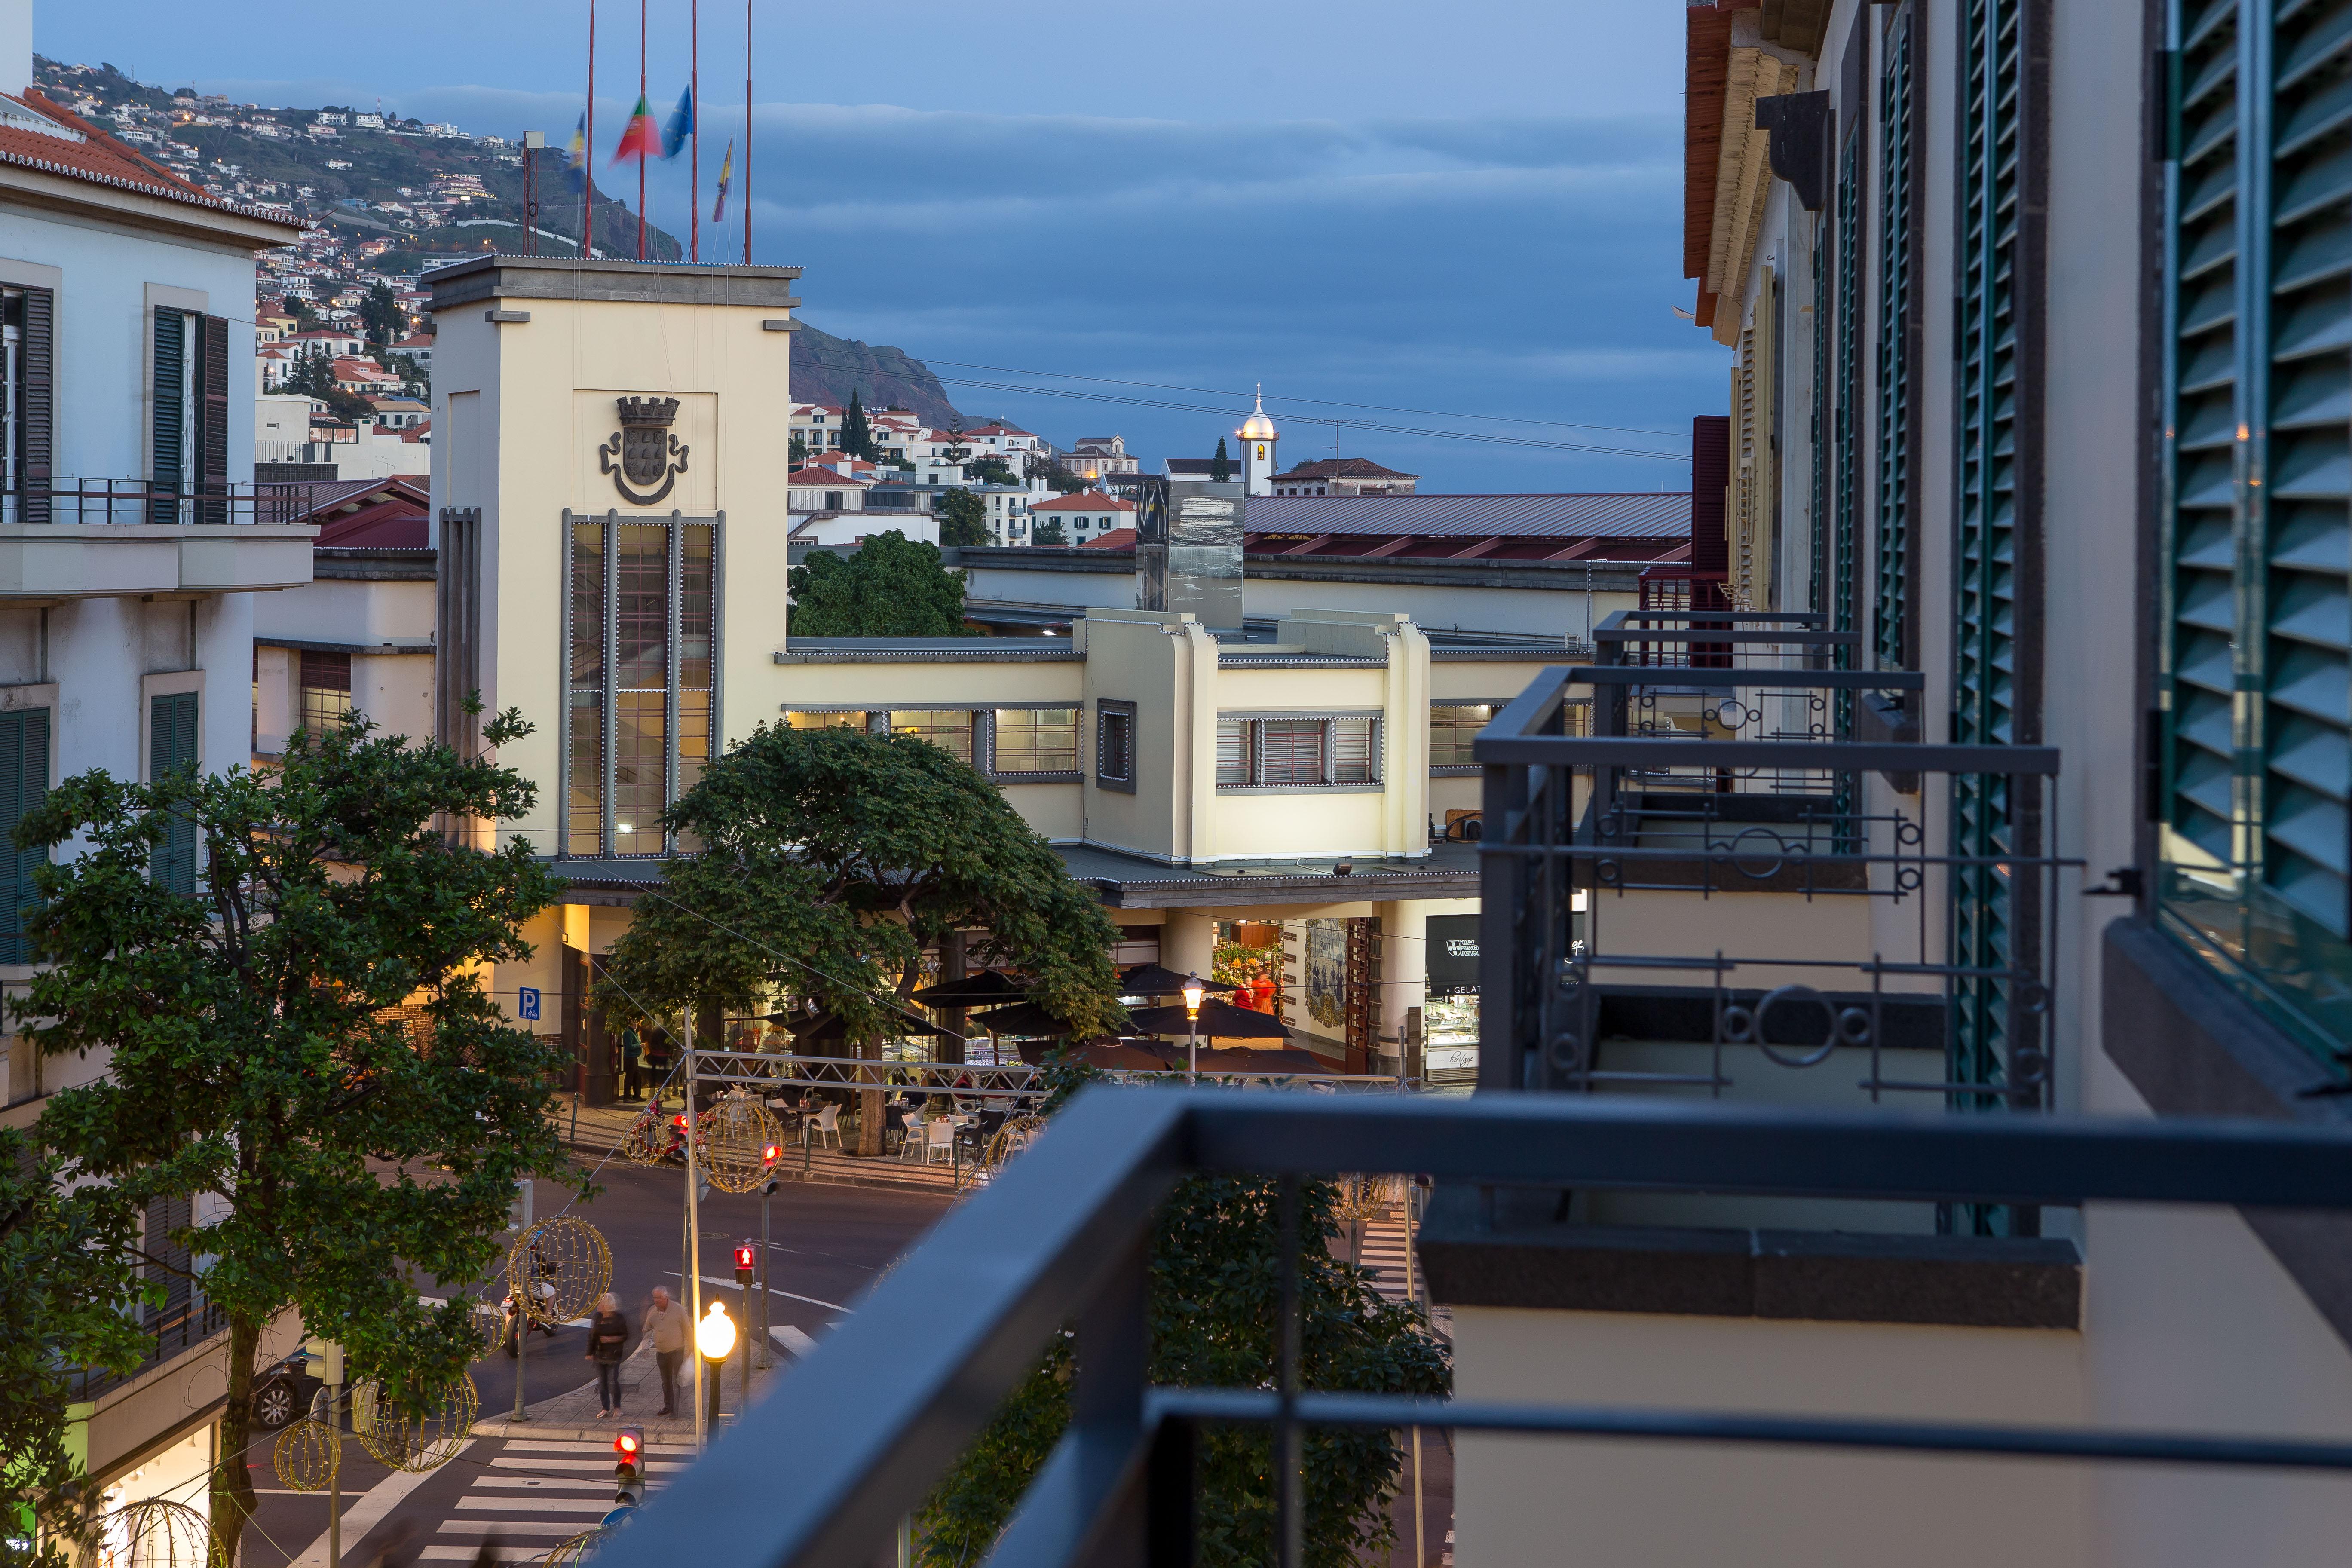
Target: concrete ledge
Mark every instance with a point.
(1530, 1261)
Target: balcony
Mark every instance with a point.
(68, 539)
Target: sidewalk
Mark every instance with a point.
(600, 1129)
(573, 1415)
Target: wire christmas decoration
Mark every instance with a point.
(558, 1268)
(156, 1533)
(306, 1455)
(418, 1441)
(734, 1138)
(570, 1553)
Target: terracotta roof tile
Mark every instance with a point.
(102, 160)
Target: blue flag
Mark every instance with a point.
(680, 126)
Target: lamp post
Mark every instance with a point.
(1194, 992)
(714, 1336)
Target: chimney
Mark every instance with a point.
(15, 46)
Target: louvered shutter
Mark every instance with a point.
(39, 352)
(172, 744)
(1891, 615)
(171, 462)
(211, 421)
(1845, 459)
(24, 784)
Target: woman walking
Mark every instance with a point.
(608, 1341)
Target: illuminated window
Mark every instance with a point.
(326, 691)
(950, 729)
(1035, 739)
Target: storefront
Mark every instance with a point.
(1449, 1015)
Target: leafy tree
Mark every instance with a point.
(955, 449)
(799, 450)
(1049, 530)
(384, 322)
(892, 587)
(992, 469)
(312, 372)
(857, 435)
(963, 518)
(285, 973)
(1215, 1322)
(830, 858)
(1221, 467)
(68, 1283)
(306, 319)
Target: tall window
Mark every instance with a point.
(326, 691)
(641, 609)
(27, 323)
(173, 745)
(1115, 746)
(2255, 665)
(24, 784)
(189, 442)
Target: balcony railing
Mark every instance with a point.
(173, 1332)
(867, 1424)
(97, 501)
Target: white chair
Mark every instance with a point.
(910, 1142)
(824, 1124)
(938, 1139)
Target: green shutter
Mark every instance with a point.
(24, 784)
(171, 745)
(1985, 606)
(1846, 453)
(1890, 620)
(2257, 663)
(172, 463)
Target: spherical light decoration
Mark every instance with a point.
(416, 1441)
(153, 1534)
(306, 1455)
(735, 1136)
(576, 1551)
(492, 1319)
(648, 1141)
(558, 1268)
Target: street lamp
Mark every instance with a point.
(1194, 992)
(714, 1337)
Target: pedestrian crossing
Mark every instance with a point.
(1384, 1251)
(535, 1493)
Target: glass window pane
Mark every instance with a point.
(1232, 751)
(326, 689)
(588, 605)
(585, 826)
(1290, 750)
(1452, 729)
(1036, 739)
(638, 759)
(1355, 753)
(802, 720)
(695, 601)
(641, 619)
(950, 729)
(1115, 746)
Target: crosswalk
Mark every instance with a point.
(1384, 1252)
(530, 1495)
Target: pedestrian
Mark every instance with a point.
(657, 1048)
(633, 1065)
(666, 1320)
(608, 1341)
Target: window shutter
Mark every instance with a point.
(1845, 475)
(24, 784)
(171, 465)
(212, 420)
(172, 744)
(39, 363)
(1891, 618)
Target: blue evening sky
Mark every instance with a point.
(1471, 209)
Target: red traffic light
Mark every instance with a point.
(681, 1121)
(743, 1256)
(772, 1153)
(629, 1442)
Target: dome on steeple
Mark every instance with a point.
(1257, 426)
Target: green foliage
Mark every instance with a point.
(830, 858)
(68, 1285)
(254, 1049)
(1221, 467)
(857, 435)
(1049, 530)
(386, 323)
(799, 450)
(1061, 482)
(892, 587)
(963, 518)
(1216, 1315)
(992, 469)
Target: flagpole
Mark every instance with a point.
(693, 89)
(641, 153)
(588, 149)
(747, 132)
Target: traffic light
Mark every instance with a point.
(746, 1259)
(768, 1158)
(629, 1474)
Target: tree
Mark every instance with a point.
(312, 372)
(892, 587)
(68, 1284)
(1048, 531)
(955, 448)
(992, 469)
(380, 313)
(830, 858)
(285, 973)
(857, 435)
(963, 518)
(1215, 1322)
(799, 450)
(305, 318)
(1221, 467)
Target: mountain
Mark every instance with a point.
(826, 369)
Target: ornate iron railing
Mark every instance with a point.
(97, 501)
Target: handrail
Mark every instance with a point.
(887, 1401)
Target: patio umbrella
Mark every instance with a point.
(1289, 1060)
(1219, 1020)
(826, 1028)
(1150, 980)
(1021, 1018)
(1112, 1056)
(989, 986)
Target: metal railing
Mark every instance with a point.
(184, 1328)
(772, 1073)
(98, 501)
(866, 1426)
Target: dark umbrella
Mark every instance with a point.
(972, 991)
(1113, 1056)
(1219, 1020)
(1022, 1018)
(1150, 980)
(1292, 1060)
(826, 1028)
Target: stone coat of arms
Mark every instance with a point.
(651, 458)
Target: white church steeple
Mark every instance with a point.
(1259, 439)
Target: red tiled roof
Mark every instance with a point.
(1082, 500)
(1344, 468)
(1117, 539)
(825, 477)
(102, 160)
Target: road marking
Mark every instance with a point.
(792, 1340)
(535, 1504)
(363, 1515)
(708, 1280)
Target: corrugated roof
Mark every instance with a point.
(1640, 515)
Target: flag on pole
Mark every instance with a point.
(680, 126)
(726, 174)
(638, 137)
(576, 155)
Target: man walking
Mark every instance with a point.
(632, 1066)
(666, 1320)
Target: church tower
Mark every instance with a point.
(1259, 439)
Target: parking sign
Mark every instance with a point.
(529, 1006)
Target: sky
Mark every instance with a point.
(1471, 211)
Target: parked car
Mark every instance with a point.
(283, 1392)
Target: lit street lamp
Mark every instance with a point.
(714, 1336)
(1194, 992)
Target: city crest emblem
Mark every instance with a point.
(651, 458)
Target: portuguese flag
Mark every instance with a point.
(639, 138)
